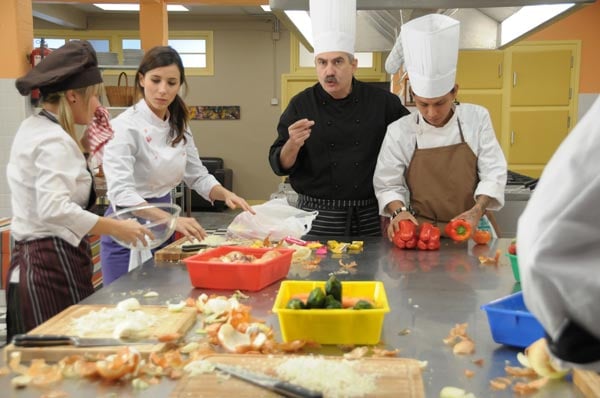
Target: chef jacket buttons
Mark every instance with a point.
(329, 123)
(357, 142)
(334, 164)
(336, 186)
(355, 164)
(332, 145)
(356, 100)
(357, 121)
(356, 187)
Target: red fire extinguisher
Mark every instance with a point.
(35, 58)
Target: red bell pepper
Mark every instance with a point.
(408, 229)
(426, 237)
(434, 239)
(397, 241)
(405, 233)
(458, 230)
(425, 233)
(411, 244)
(429, 237)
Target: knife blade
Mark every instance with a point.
(50, 340)
(281, 387)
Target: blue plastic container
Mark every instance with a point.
(511, 322)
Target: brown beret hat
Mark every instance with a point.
(71, 66)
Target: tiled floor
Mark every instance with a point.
(211, 221)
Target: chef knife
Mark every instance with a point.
(271, 383)
(50, 340)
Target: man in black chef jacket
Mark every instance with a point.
(330, 134)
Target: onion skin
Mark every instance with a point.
(540, 361)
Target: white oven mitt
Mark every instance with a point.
(138, 256)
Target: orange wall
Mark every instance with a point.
(583, 25)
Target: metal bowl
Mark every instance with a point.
(162, 227)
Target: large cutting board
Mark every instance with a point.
(397, 377)
(588, 382)
(169, 322)
(173, 252)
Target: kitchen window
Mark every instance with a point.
(194, 47)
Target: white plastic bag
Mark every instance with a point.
(274, 219)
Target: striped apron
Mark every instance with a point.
(338, 217)
(53, 275)
(114, 258)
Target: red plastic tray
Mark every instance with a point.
(233, 276)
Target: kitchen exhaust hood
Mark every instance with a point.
(485, 24)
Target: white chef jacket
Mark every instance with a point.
(399, 145)
(558, 235)
(139, 162)
(49, 183)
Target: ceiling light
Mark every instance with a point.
(301, 19)
(135, 7)
(528, 18)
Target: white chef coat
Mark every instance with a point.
(558, 235)
(49, 183)
(139, 162)
(399, 145)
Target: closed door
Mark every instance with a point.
(541, 78)
(535, 135)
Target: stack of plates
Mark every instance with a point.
(132, 57)
(106, 58)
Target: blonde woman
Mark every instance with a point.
(52, 190)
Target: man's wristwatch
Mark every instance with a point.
(399, 210)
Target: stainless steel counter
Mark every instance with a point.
(428, 293)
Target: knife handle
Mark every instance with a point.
(295, 391)
(41, 340)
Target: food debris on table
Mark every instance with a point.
(460, 341)
(484, 260)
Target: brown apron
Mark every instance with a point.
(442, 181)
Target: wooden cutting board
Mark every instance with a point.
(588, 382)
(397, 377)
(173, 253)
(168, 322)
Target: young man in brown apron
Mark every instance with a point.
(442, 162)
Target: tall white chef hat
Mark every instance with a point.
(333, 25)
(430, 46)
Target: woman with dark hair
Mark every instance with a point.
(152, 151)
(52, 191)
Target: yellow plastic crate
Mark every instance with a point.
(332, 326)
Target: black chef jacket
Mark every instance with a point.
(338, 160)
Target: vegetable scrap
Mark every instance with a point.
(484, 260)
(343, 247)
(460, 341)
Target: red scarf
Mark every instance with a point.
(98, 133)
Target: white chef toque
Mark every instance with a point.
(333, 25)
(430, 46)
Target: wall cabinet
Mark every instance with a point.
(541, 77)
(541, 104)
(535, 134)
(491, 101)
(480, 69)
